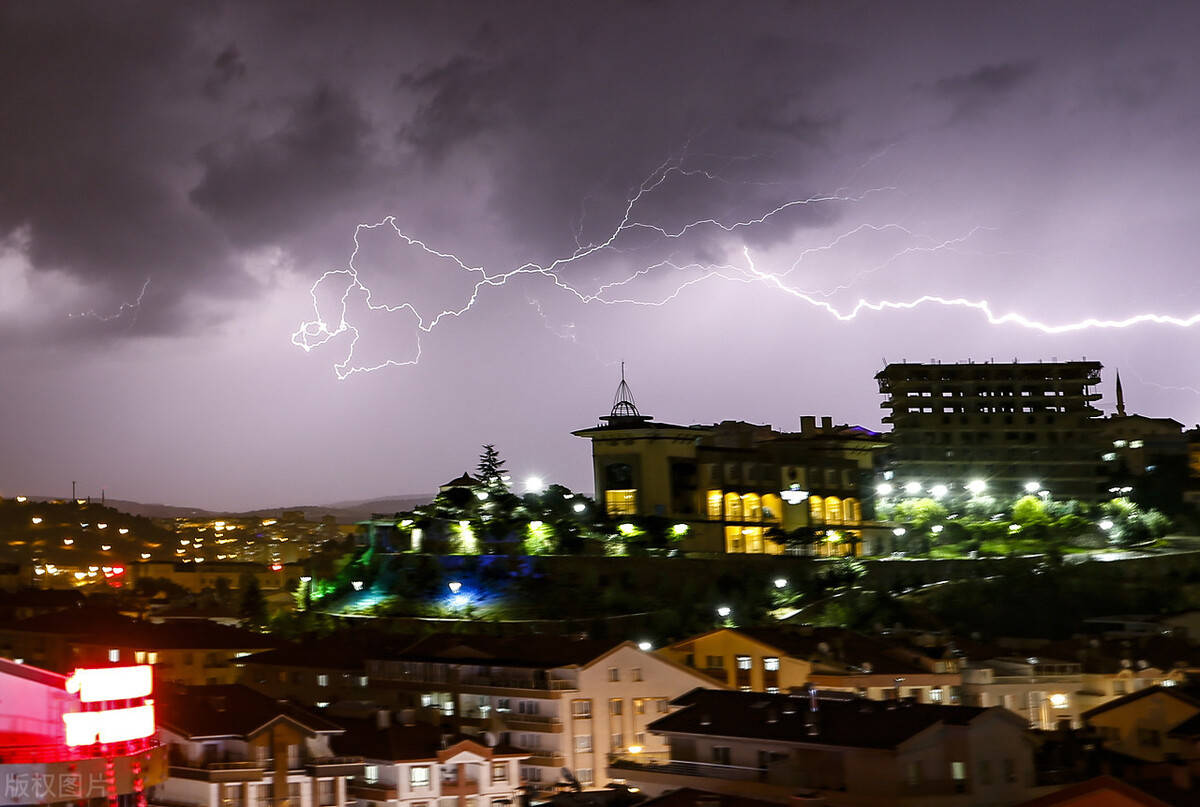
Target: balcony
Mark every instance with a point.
(503, 682)
(550, 759)
(371, 791)
(520, 722)
(334, 766)
(707, 770)
(248, 771)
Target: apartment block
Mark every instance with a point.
(838, 749)
(568, 703)
(229, 746)
(420, 765)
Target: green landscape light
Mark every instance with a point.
(626, 528)
(679, 529)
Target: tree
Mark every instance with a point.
(490, 469)
(254, 605)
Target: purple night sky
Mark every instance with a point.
(174, 177)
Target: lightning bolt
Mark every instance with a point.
(121, 311)
(319, 330)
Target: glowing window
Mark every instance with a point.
(322, 680)
(418, 776)
(752, 507)
(733, 540)
(852, 511)
(771, 663)
(111, 683)
(744, 662)
(772, 508)
(714, 504)
(733, 507)
(816, 509)
(114, 655)
(833, 510)
(620, 502)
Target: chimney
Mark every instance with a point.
(383, 718)
(827, 424)
(808, 424)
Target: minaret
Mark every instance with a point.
(1120, 397)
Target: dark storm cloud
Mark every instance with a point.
(972, 93)
(227, 69)
(266, 188)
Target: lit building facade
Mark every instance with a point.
(736, 487)
(87, 738)
(1003, 424)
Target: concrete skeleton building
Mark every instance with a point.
(731, 487)
(1004, 424)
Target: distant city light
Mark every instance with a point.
(884, 489)
(645, 646)
(780, 582)
(123, 530)
(724, 611)
(305, 579)
(21, 499)
(1033, 487)
(481, 495)
(939, 491)
(68, 541)
(275, 567)
(1014, 527)
(912, 488)
(976, 486)
(534, 484)
(36, 519)
(145, 556)
(102, 526)
(579, 507)
(358, 584)
(105, 547)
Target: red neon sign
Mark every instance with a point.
(108, 685)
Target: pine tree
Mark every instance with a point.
(490, 469)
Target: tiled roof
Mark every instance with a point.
(399, 743)
(1084, 793)
(840, 720)
(1188, 694)
(543, 652)
(227, 710)
(851, 651)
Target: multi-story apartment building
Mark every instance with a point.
(1042, 691)
(837, 749)
(51, 728)
(1007, 425)
(733, 486)
(774, 660)
(568, 703)
(192, 652)
(420, 765)
(230, 746)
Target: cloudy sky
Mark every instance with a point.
(726, 196)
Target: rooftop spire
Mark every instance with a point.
(1120, 396)
(624, 410)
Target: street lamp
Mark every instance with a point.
(534, 484)
(884, 489)
(912, 488)
(976, 486)
(939, 490)
(780, 582)
(724, 611)
(645, 646)
(1033, 487)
